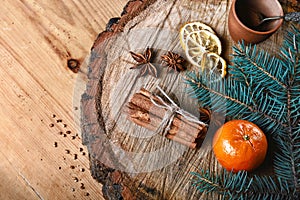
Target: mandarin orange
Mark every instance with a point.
(240, 145)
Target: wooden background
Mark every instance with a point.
(41, 151)
(40, 155)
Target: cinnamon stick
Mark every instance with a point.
(177, 132)
(176, 128)
(145, 103)
(139, 114)
(148, 94)
(143, 124)
(191, 145)
(191, 123)
(190, 129)
(144, 109)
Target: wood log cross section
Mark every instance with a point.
(154, 24)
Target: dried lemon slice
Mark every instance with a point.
(200, 42)
(215, 63)
(191, 27)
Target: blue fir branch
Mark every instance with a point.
(263, 89)
(241, 185)
(226, 95)
(265, 71)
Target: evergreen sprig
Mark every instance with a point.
(241, 185)
(263, 89)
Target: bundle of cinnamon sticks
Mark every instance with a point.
(149, 111)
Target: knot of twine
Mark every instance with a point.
(172, 110)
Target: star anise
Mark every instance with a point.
(173, 61)
(144, 63)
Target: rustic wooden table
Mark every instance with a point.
(41, 151)
(41, 155)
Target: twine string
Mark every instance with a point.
(172, 109)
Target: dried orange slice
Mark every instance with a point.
(215, 63)
(192, 27)
(200, 42)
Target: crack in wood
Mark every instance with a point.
(30, 186)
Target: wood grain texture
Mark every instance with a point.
(110, 137)
(36, 40)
